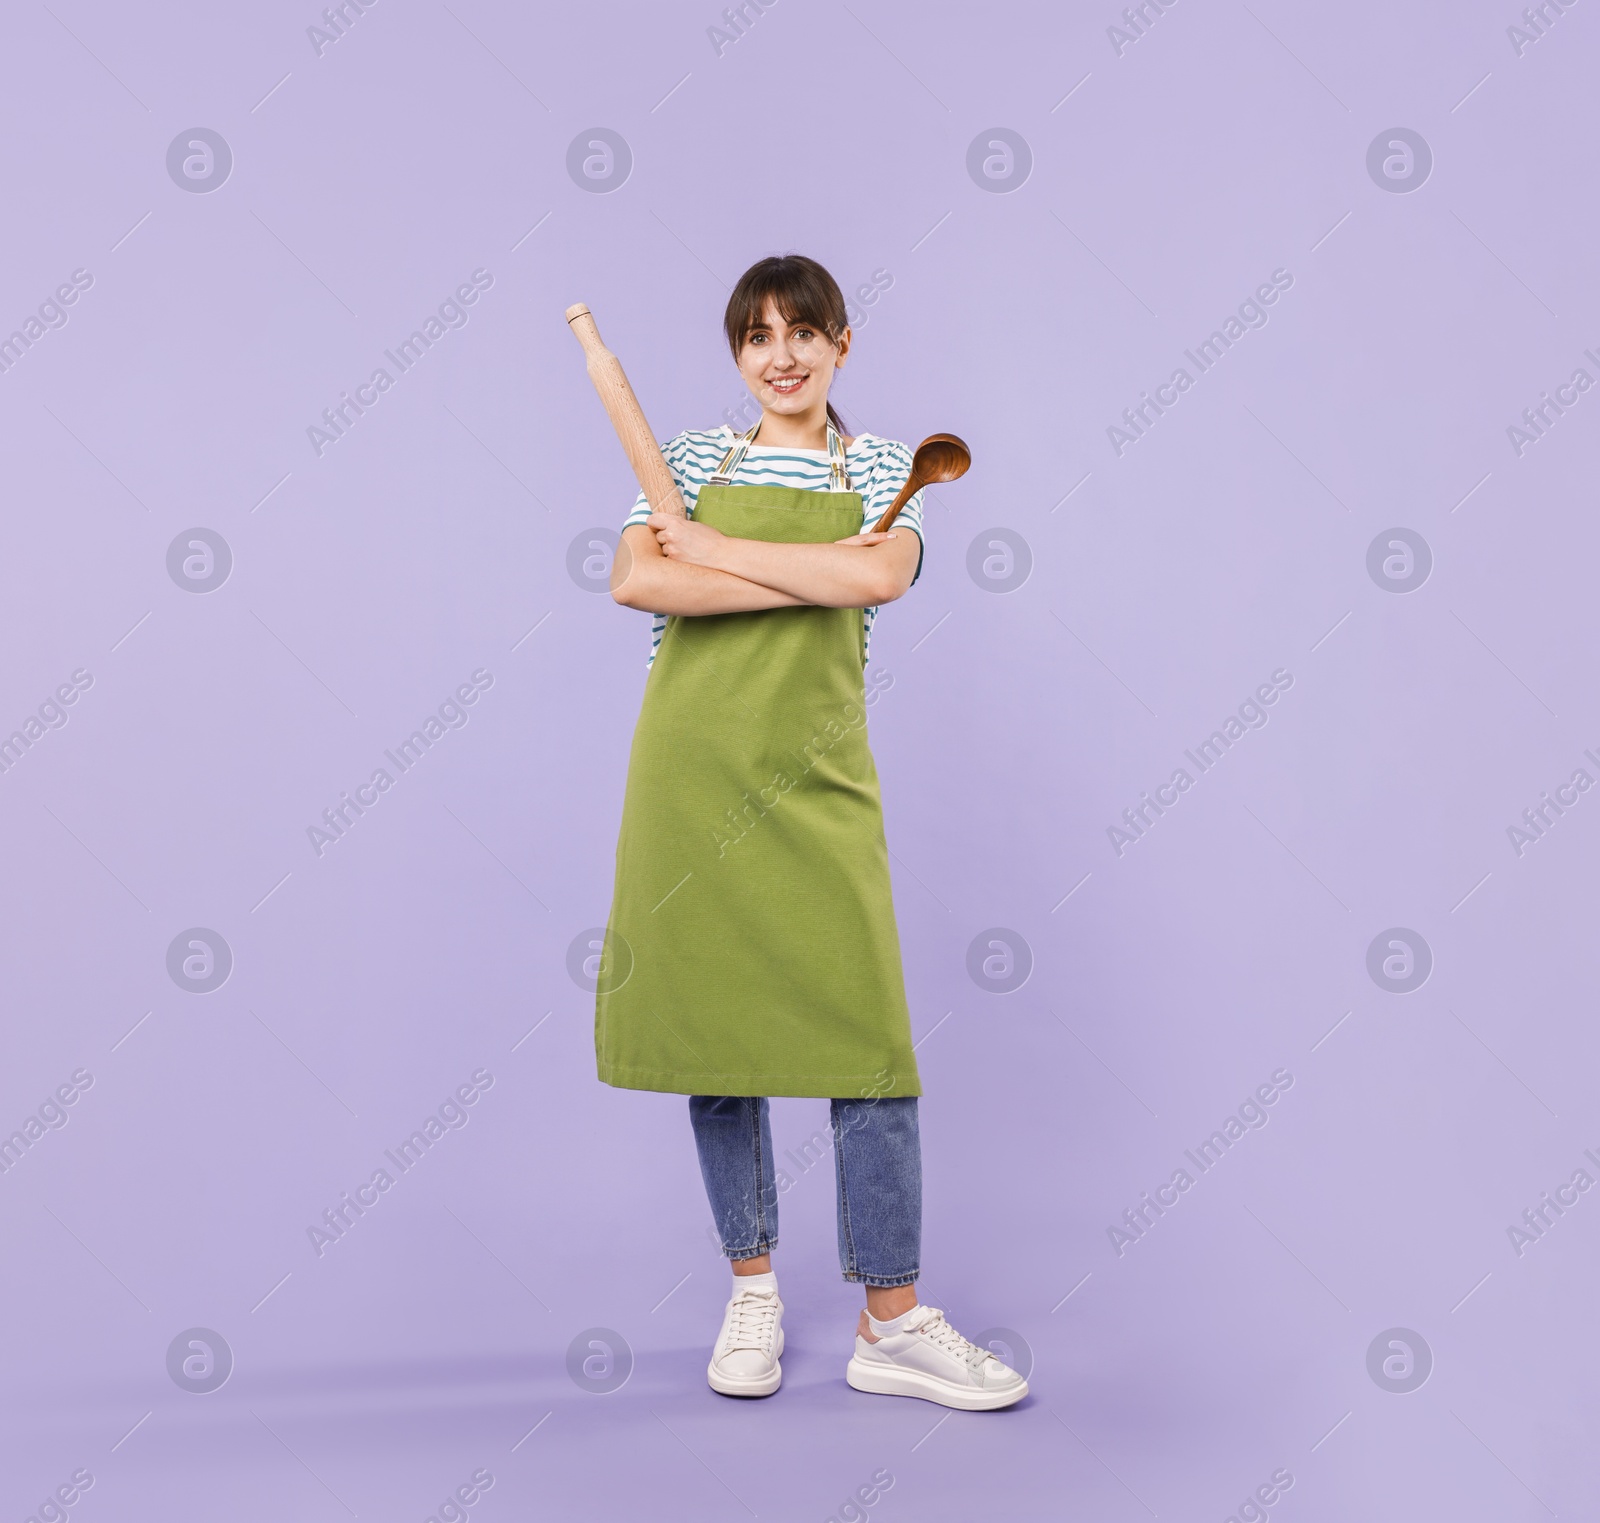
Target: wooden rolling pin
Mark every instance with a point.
(627, 417)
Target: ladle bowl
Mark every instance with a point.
(940, 457)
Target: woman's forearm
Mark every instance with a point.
(653, 583)
(828, 575)
(702, 571)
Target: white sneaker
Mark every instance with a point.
(745, 1360)
(932, 1360)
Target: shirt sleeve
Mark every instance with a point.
(888, 475)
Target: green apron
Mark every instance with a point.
(752, 947)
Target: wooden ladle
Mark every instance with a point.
(940, 457)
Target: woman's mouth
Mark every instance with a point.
(787, 385)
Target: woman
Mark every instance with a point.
(752, 947)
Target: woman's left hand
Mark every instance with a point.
(682, 539)
(867, 537)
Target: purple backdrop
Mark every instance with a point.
(1362, 234)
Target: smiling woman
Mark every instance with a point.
(775, 969)
(787, 326)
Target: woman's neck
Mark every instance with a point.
(808, 430)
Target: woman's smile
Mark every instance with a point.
(787, 385)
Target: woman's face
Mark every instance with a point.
(789, 369)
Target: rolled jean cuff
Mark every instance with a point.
(883, 1281)
(737, 1254)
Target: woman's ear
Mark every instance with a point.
(844, 349)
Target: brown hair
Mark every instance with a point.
(803, 291)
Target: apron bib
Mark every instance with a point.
(752, 947)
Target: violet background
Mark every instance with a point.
(433, 540)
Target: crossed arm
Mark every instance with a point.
(675, 565)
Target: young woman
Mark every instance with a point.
(752, 948)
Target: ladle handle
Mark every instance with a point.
(914, 484)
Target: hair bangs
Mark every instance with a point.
(801, 290)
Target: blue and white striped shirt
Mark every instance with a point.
(878, 469)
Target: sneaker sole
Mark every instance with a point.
(886, 1380)
(761, 1385)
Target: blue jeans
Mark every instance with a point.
(877, 1156)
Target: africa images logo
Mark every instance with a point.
(199, 160)
(453, 312)
(451, 1115)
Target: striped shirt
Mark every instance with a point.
(878, 469)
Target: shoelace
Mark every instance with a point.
(946, 1337)
(755, 1314)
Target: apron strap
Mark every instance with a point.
(733, 459)
(838, 470)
